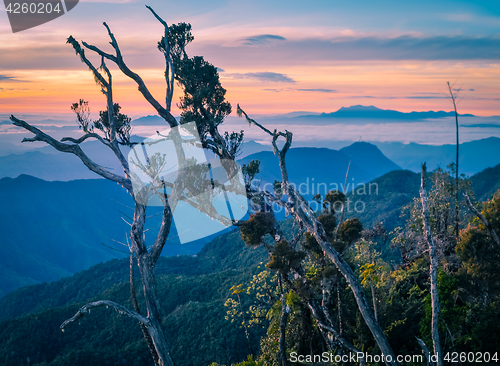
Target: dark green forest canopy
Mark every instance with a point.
(193, 291)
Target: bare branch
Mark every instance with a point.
(285, 310)
(128, 223)
(483, 219)
(118, 250)
(81, 52)
(161, 238)
(137, 229)
(119, 308)
(85, 137)
(164, 113)
(253, 192)
(73, 149)
(99, 52)
(341, 219)
(332, 330)
(426, 351)
(169, 67)
(133, 295)
(241, 112)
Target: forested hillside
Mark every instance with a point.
(194, 289)
(381, 199)
(55, 229)
(26, 260)
(194, 254)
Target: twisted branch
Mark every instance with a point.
(119, 308)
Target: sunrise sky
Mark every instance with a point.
(275, 56)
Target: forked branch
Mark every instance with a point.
(118, 60)
(169, 64)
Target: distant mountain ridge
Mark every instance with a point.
(318, 170)
(51, 230)
(66, 167)
(65, 210)
(396, 189)
(359, 111)
(475, 156)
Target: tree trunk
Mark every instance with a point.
(452, 96)
(144, 329)
(339, 306)
(155, 328)
(433, 267)
(282, 359)
(374, 303)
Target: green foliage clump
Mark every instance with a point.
(250, 171)
(330, 271)
(311, 244)
(350, 231)
(333, 201)
(283, 258)
(250, 362)
(120, 120)
(329, 223)
(258, 225)
(203, 101)
(179, 36)
(492, 212)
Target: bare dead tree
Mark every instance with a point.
(453, 98)
(341, 219)
(306, 219)
(184, 188)
(433, 267)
